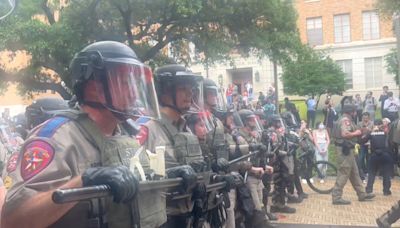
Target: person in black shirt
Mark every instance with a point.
(380, 158)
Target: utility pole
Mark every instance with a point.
(276, 85)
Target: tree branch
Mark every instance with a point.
(126, 16)
(47, 11)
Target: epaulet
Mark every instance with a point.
(143, 120)
(50, 127)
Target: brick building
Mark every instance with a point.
(354, 35)
(351, 32)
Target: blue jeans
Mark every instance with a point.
(363, 161)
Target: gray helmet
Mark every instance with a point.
(43, 109)
(214, 97)
(245, 114)
(349, 108)
(169, 76)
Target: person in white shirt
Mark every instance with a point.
(391, 107)
(321, 141)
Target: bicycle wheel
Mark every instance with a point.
(322, 177)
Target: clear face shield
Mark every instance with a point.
(290, 120)
(200, 124)
(215, 98)
(189, 95)
(233, 121)
(126, 87)
(253, 123)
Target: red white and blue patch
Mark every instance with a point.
(36, 157)
(12, 162)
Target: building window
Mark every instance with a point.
(370, 25)
(314, 31)
(342, 28)
(347, 68)
(373, 72)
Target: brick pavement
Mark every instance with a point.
(318, 208)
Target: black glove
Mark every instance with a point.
(221, 165)
(187, 173)
(121, 180)
(229, 179)
(198, 166)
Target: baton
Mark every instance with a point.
(99, 191)
(243, 157)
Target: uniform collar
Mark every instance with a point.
(180, 124)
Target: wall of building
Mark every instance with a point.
(328, 8)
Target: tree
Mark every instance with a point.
(214, 27)
(392, 64)
(388, 7)
(309, 72)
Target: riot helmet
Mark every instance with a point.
(43, 109)
(179, 88)
(250, 120)
(199, 123)
(123, 84)
(213, 96)
(275, 121)
(289, 120)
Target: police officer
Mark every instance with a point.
(345, 135)
(250, 134)
(283, 166)
(380, 158)
(82, 147)
(43, 109)
(178, 91)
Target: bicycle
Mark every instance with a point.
(312, 170)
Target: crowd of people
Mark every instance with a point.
(122, 118)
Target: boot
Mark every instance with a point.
(271, 216)
(293, 199)
(303, 195)
(341, 202)
(258, 220)
(366, 197)
(389, 217)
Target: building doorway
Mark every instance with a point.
(240, 77)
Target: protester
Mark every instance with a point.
(382, 99)
(391, 107)
(330, 114)
(359, 104)
(363, 155)
(311, 110)
(321, 141)
(370, 105)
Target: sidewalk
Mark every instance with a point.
(318, 209)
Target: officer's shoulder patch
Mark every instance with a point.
(143, 120)
(12, 162)
(36, 156)
(50, 127)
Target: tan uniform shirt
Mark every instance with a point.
(71, 154)
(160, 133)
(59, 150)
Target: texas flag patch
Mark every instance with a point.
(36, 157)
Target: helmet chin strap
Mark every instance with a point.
(97, 105)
